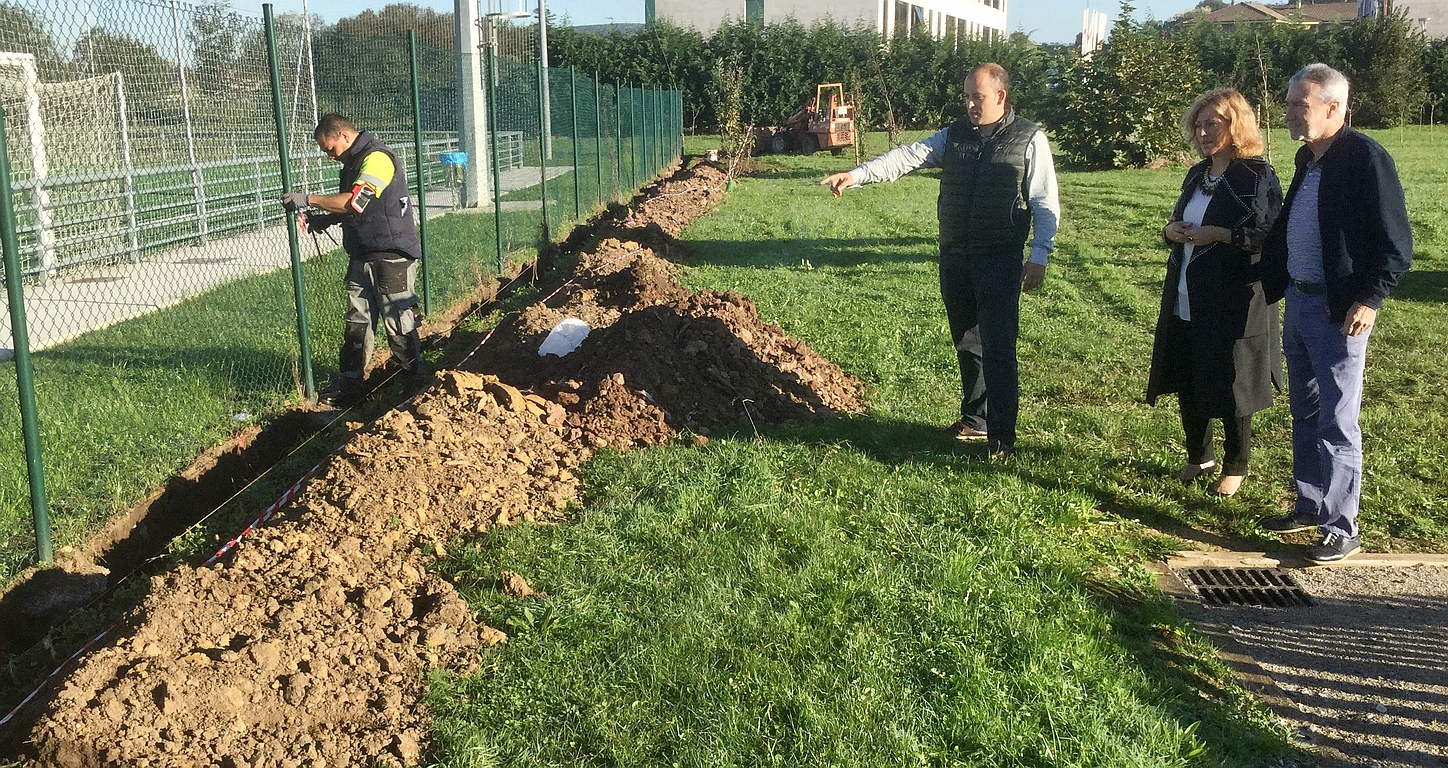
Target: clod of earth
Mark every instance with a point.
(307, 645)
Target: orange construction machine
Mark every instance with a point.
(827, 122)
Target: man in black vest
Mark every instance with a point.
(997, 184)
(378, 233)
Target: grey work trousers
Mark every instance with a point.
(381, 289)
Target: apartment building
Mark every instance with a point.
(958, 19)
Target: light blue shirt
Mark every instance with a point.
(1042, 193)
(1304, 230)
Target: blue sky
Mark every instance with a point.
(1047, 21)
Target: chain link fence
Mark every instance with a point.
(152, 271)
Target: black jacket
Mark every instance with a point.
(1232, 359)
(1367, 243)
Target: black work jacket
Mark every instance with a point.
(1367, 243)
(1233, 342)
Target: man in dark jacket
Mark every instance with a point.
(997, 186)
(1339, 246)
(380, 238)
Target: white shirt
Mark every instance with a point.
(1042, 195)
(1193, 214)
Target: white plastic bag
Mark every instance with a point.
(564, 338)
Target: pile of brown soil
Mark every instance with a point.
(307, 644)
(680, 199)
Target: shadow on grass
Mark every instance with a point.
(854, 252)
(901, 442)
(1423, 286)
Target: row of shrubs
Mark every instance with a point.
(1118, 108)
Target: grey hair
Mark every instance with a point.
(1332, 84)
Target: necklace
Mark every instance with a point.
(1210, 182)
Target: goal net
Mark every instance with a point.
(69, 158)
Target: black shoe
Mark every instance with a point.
(340, 395)
(1333, 548)
(1291, 522)
(965, 432)
(1000, 450)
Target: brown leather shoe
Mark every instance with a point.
(1227, 485)
(1191, 472)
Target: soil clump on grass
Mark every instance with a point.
(308, 643)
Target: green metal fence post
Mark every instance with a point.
(637, 135)
(659, 129)
(618, 138)
(24, 373)
(598, 134)
(421, 173)
(646, 130)
(493, 151)
(298, 287)
(577, 183)
(544, 129)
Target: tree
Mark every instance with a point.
(1121, 107)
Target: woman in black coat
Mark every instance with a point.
(1217, 339)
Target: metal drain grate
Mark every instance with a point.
(1261, 587)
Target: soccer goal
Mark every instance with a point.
(70, 159)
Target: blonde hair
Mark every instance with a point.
(1233, 107)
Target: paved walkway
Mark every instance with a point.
(90, 298)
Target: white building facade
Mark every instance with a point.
(957, 19)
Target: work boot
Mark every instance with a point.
(342, 392)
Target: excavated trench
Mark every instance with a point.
(306, 645)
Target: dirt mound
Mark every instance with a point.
(680, 199)
(702, 363)
(307, 644)
(659, 359)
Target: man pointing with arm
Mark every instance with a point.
(997, 186)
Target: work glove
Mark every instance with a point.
(321, 221)
(295, 201)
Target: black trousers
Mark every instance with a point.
(1197, 425)
(982, 295)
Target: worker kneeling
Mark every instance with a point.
(378, 233)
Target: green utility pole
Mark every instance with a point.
(421, 173)
(298, 292)
(24, 373)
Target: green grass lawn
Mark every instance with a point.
(865, 592)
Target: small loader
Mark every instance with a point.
(827, 122)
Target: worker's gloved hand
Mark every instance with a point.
(295, 201)
(322, 221)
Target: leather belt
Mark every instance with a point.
(1311, 289)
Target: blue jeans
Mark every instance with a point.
(1325, 389)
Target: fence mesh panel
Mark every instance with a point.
(154, 254)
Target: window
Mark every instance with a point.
(648, 11)
(754, 11)
(902, 17)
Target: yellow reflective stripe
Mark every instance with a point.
(376, 171)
